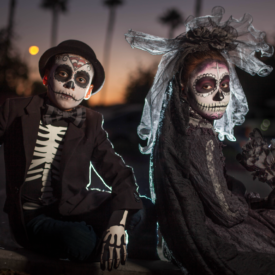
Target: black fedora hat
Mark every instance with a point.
(79, 48)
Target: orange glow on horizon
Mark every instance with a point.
(112, 93)
(110, 98)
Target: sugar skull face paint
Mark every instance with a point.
(69, 81)
(210, 90)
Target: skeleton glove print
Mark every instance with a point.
(114, 244)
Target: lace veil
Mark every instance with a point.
(237, 40)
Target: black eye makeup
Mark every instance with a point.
(63, 73)
(224, 83)
(82, 79)
(205, 85)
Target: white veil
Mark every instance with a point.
(237, 40)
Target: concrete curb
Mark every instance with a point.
(32, 263)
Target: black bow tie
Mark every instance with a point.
(77, 116)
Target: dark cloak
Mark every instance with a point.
(182, 211)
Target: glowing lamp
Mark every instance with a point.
(33, 50)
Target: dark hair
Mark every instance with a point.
(194, 59)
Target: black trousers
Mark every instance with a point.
(77, 237)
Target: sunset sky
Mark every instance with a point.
(86, 20)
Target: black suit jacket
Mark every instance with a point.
(19, 123)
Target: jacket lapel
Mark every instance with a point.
(72, 138)
(30, 125)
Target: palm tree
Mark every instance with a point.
(198, 8)
(12, 67)
(56, 6)
(10, 25)
(112, 5)
(139, 83)
(6, 35)
(173, 19)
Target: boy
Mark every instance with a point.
(50, 143)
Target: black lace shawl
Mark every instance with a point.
(180, 210)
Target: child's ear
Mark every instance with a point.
(89, 93)
(45, 78)
(183, 93)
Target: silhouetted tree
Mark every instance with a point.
(57, 6)
(112, 5)
(6, 42)
(139, 84)
(6, 35)
(198, 5)
(173, 19)
(12, 68)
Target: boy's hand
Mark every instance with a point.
(114, 242)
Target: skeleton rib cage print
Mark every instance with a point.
(45, 165)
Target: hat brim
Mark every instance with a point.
(99, 76)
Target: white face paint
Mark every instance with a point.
(69, 80)
(210, 88)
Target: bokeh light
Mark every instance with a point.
(33, 50)
(265, 124)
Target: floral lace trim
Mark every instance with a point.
(258, 157)
(205, 131)
(222, 157)
(197, 122)
(216, 185)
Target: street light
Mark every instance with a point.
(33, 50)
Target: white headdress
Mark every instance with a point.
(237, 40)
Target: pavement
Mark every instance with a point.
(31, 263)
(5, 234)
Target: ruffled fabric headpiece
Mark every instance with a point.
(237, 41)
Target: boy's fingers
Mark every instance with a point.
(110, 260)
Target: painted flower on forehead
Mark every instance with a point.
(77, 61)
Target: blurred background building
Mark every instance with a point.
(28, 28)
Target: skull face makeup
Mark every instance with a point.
(210, 89)
(70, 81)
